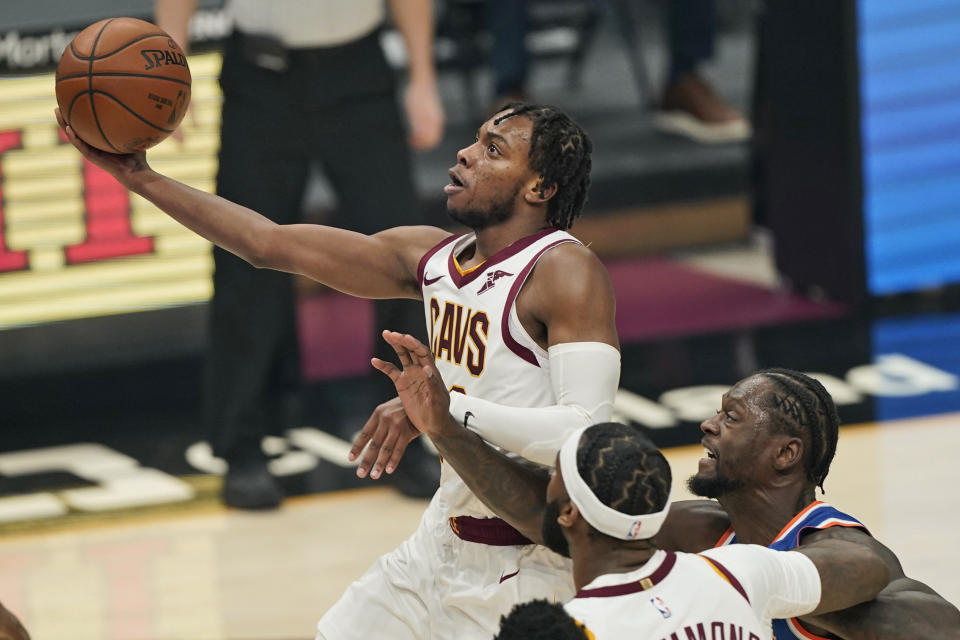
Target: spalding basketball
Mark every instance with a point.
(123, 85)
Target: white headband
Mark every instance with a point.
(601, 517)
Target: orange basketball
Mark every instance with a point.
(123, 85)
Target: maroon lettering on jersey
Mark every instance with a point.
(462, 335)
(700, 635)
(445, 339)
(106, 220)
(718, 631)
(434, 315)
(479, 326)
(9, 260)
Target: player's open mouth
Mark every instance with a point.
(456, 184)
(710, 454)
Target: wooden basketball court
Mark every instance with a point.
(220, 574)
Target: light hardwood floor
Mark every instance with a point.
(229, 575)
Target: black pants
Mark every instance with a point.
(333, 108)
(691, 33)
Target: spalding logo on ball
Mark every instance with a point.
(123, 85)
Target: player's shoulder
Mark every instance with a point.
(825, 522)
(852, 532)
(692, 526)
(574, 266)
(571, 252)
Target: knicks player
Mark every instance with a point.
(768, 447)
(521, 320)
(606, 500)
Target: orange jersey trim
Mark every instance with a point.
(725, 538)
(794, 625)
(792, 522)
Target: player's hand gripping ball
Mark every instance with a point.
(123, 85)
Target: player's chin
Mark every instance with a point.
(455, 203)
(707, 465)
(701, 485)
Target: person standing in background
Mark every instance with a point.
(305, 84)
(689, 106)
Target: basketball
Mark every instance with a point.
(123, 85)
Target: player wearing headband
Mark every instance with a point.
(606, 499)
(610, 494)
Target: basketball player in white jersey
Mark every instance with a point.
(769, 445)
(606, 499)
(522, 319)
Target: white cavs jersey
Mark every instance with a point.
(478, 343)
(715, 594)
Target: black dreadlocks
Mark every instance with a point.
(805, 407)
(560, 153)
(624, 469)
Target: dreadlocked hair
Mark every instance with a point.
(624, 469)
(560, 153)
(805, 407)
(539, 619)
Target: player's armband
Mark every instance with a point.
(584, 376)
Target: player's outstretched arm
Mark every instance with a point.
(850, 572)
(904, 609)
(516, 491)
(383, 265)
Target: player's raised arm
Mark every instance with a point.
(383, 265)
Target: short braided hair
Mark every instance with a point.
(804, 406)
(624, 469)
(539, 620)
(560, 152)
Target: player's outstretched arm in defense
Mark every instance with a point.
(513, 489)
(383, 265)
(904, 609)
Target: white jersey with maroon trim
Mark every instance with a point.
(721, 593)
(478, 343)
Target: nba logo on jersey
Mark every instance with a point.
(661, 606)
(634, 530)
(492, 277)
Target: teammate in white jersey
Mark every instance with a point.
(606, 499)
(769, 445)
(526, 324)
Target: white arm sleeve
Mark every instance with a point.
(585, 377)
(781, 584)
